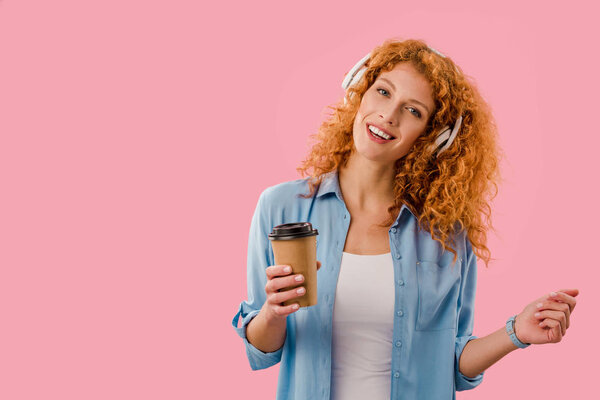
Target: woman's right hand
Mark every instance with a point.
(279, 277)
(267, 330)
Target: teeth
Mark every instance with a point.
(379, 133)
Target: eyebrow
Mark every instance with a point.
(414, 100)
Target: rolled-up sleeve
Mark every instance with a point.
(259, 258)
(466, 305)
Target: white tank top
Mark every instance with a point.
(363, 321)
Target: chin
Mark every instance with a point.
(371, 155)
(365, 150)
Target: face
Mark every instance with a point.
(397, 106)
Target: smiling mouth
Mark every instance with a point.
(378, 133)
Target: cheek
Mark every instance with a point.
(355, 131)
(412, 138)
(416, 128)
(358, 120)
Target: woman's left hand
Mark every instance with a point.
(546, 319)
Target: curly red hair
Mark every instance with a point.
(448, 194)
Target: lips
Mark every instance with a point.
(376, 138)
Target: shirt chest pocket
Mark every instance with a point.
(439, 287)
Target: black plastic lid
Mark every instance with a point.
(292, 231)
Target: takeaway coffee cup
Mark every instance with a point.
(295, 245)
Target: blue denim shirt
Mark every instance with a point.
(433, 309)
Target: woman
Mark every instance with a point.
(400, 181)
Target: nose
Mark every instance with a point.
(389, 116)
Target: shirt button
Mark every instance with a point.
(399, 313)
(345, 216)
(398, 256)
(327, 298)
(398, 343)
(393, 230)
(400, 282)
(396, 374)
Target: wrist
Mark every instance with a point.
(512, 332)
(271, 319)
(267, 335)
(517, 325)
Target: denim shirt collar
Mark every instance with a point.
(330, 184)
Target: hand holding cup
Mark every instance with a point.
(279, 278)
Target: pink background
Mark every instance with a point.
(136, 137)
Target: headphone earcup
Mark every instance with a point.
(441, 138)
(354, 75)
(353, 81)
(445, 137)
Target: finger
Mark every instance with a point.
(556, 306)
(286, 310)
(565, 298)
(570, 292)
(277, 298)
(555, 333)
(278, 270)
(554, 315)
(281, 282)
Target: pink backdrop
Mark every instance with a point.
(137, 135)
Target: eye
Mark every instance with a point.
(415, 112)
(380, 90)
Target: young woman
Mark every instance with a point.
(400, 180)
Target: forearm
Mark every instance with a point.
(266, 334)
(481, 353)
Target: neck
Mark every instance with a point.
(367, 186)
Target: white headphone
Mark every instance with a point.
(446, 135)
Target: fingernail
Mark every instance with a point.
(301, 290)
(299, 278)
(295, 306)
(539, 305)
(553, 294)
(287, 269)
(537, 314)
